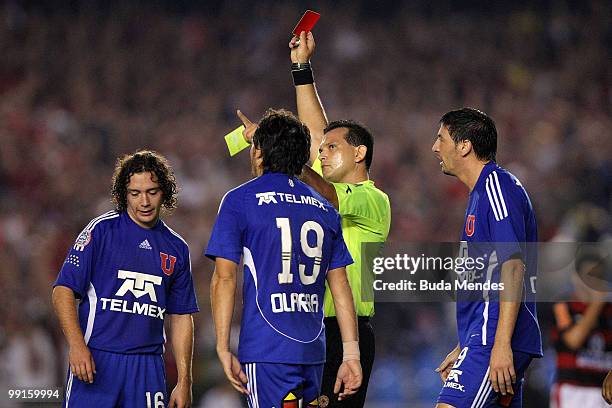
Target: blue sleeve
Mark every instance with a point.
(76, 270)
(507, 223)
(226, 237)
(182, 297)
(340, 255)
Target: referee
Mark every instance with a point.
(344, 150)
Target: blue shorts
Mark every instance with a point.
(125, 380)
(468, 385)
(283, 385)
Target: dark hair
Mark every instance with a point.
(473, 125)
(140, 162)
(284, 142)
(356, 135)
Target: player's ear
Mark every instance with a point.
(257, 153)
(465, 147)
(258, 156)
(360, 153)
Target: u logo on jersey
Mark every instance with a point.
(167, 268)
(470, 225)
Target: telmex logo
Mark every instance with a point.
(139, 284)
(266, 198)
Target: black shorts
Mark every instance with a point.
(334, 360)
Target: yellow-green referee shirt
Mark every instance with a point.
(366, 217)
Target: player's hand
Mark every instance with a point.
(446, 365)
(233, 371)
(82, 363)
(606, 389)
(181, 396)
(302, 51)
(249, 127)
(350, 375)
(502, 374)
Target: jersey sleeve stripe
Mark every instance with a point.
(93, 302)
(222, 200)
(100, 219)
(495, 197)
(529, 311)
(485, 317)
(176, 234)
(501, 196)
(491, 201)
(235, 188)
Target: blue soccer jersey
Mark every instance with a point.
(289, 237)
(128, 278)
(499, 225)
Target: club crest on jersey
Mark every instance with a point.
(266, 198)
(167, 267)
(470, 225)
(82, 240)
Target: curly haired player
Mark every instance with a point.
(128, 270)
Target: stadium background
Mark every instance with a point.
(83, 82)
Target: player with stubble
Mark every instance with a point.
(290, 241)
(341, 154)
(499, 334)
(126, 272)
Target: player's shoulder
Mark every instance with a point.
(506, 178)
(103, 221)
(376, 193)
(96, 227)
(504, 193)
(318, 197)
(174, 236)
(235, 194)
(502, 184)
(366, 193)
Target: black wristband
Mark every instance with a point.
(302, 76)
(300, 65)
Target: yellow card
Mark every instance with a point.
(235, 141)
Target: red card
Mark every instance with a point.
(307, 22)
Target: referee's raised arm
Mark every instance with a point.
(309, 107)
(341, 155)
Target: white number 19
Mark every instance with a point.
(315, 252)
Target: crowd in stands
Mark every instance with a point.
(83, 84)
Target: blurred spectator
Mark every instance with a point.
(84, 82)
(221, 396)
(583, 338)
